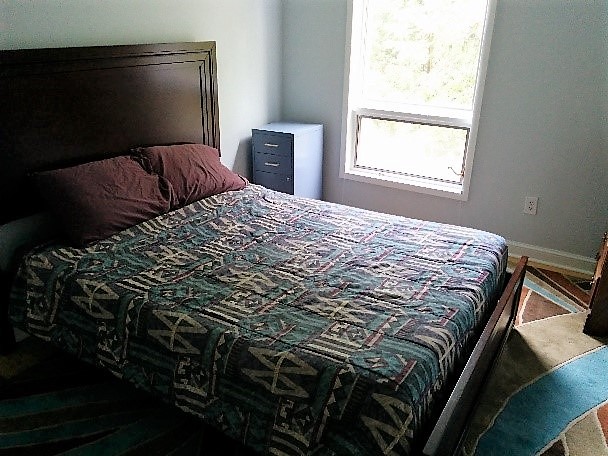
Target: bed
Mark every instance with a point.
(295, 326)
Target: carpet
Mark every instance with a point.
(549, 393)
(548, 396)
(51, 403)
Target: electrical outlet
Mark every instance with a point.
(530, 205)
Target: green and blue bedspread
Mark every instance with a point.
(293, 325)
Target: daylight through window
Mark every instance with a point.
(416, 74)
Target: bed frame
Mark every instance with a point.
(71, 105)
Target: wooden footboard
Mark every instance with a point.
(449, 432)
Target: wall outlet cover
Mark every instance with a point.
(530, 205)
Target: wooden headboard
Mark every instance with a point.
(64, 106)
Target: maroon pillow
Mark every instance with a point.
(194, 171)
(95, 200)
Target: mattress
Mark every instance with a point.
(293, 325)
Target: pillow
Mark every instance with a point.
(95, 200)
(194, 170)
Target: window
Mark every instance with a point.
(415, 80)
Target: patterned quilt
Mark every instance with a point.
(293, 325)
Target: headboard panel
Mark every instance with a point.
(68, 105)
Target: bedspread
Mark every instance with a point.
(293, 325)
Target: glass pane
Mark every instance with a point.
(419, 150)
(423, 52)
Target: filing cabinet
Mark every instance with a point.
(288, 157)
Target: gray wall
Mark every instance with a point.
(542, 130)
(247, 32)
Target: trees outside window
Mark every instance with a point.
(416, 73)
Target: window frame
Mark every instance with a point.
(353, 111)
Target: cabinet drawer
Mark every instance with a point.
(272, 143)
(271, 163)
(280, 182)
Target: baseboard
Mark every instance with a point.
(553, 258)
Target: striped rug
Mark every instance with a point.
(549, 394)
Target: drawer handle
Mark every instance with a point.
(276, 165)
(271, 145)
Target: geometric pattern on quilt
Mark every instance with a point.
(293, 325)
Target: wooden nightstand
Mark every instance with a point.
(597, 321)
(288, 157)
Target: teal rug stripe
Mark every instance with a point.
(191, 446)
(545, 294)
(62, 431)
(65, 398)
(540, 412)
(131, 436)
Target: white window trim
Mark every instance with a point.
(423, 114)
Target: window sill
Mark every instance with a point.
(413, 184)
